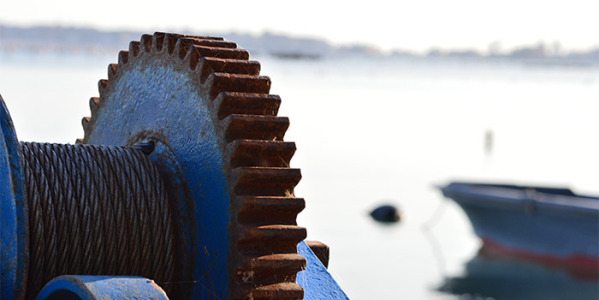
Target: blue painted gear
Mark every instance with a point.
(218, 142)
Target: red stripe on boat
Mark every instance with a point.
(580, 266)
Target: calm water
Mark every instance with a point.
(386, 131)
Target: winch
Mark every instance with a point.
(181, 187)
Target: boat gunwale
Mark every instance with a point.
(530, 198)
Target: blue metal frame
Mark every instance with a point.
(75, 287)
(13, 221)
(316, 280)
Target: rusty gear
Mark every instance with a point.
(239, 120)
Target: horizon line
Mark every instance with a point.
(497, 44)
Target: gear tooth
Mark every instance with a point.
(203, 47)
(321, 251)
(170, 39)
(258, 153)
(270, 238)
(262, 210)
(182, 46)
(209, 65)
(284, 290)
(134, 48)
(203, 37)
(102, 84)
(261, 181)
(113, 70)
(158, 41)
(123, 58)
(192, 57)
(180, 49)
(85, 123)
(94, 102)
(206, 67)
(292, 261)
(146, 43)
(223, 82)
(254, 127)
(222, 52)
(215, 43)
(271, 268)
(247, 103)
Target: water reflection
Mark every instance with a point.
(489, 276)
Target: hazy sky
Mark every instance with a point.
(415, 25)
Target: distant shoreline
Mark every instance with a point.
(58, 39)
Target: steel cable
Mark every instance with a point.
(95, 210)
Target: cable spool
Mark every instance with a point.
(95, 210)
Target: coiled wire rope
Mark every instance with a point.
(95, 210)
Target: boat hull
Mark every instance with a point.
(552, 226)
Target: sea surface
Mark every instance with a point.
(375, 131)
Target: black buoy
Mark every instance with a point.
(386, 214)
